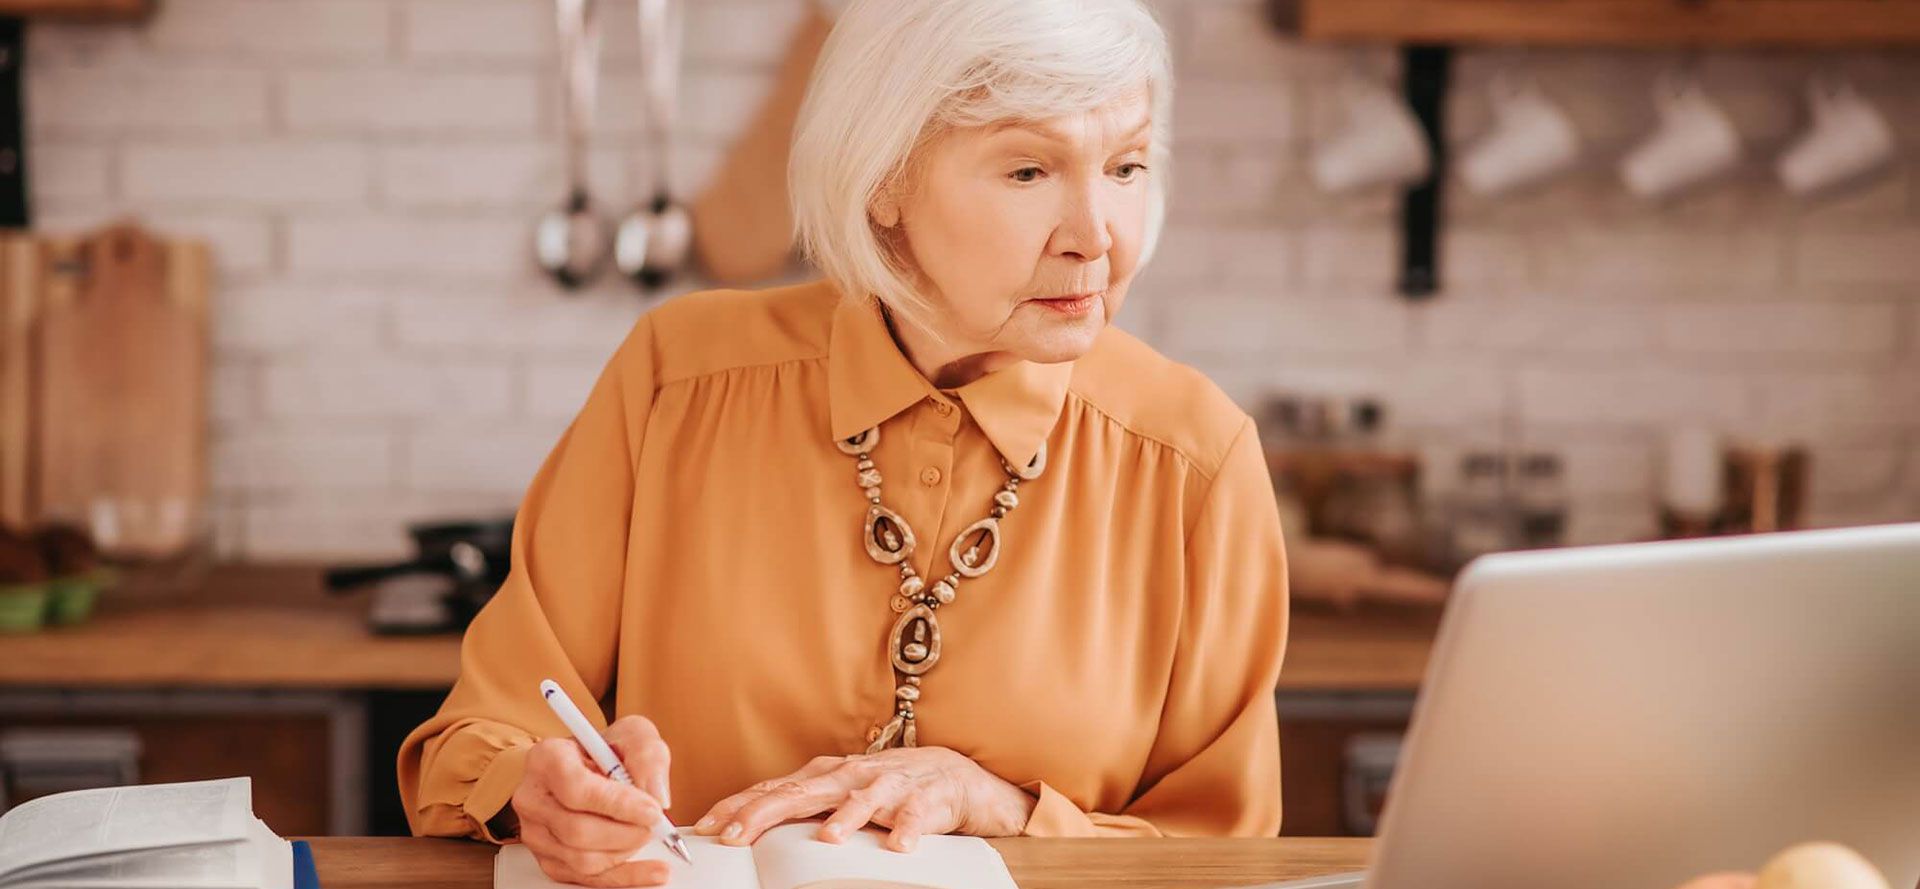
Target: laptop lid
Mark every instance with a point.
(1632, 716)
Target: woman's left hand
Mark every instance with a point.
(912, 790)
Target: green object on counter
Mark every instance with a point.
(23, 606)
(70, 599)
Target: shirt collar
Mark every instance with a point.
(869, 380)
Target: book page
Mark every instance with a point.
(85, 823)
(790, 858)
(261, 861)
(714, 866)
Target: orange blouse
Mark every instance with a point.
(691, 551)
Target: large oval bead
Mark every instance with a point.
(887, 536)
(1033, 468)
(977, 548)
(859, 444)
(915, 641)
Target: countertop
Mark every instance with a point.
(272, 626)
(1036, 863)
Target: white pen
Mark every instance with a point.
(603, 755)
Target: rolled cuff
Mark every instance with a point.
(1055, 815)
(495, 788)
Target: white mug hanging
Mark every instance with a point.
(1380, 143)
(1849, 137)
(1695, 141)
(1532, 139)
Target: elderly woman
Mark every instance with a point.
(926, 542)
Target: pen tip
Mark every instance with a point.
(679, 847)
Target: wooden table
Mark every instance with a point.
(272, 627)
(1172, 863)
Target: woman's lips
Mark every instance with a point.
(1071, 305)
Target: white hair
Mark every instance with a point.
(896, 74)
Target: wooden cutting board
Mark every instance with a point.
(20, 266)
(121, 434)
(742, 224)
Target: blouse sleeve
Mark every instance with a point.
(556, 615)
(1217, 754)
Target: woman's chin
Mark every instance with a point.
(1061, 339)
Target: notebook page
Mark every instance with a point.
(714, 866)
(790, 858)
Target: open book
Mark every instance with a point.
(196, 835)
(788, 857)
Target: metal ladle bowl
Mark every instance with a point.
(570, 241)
(654, 240)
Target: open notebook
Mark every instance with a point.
(788, 857)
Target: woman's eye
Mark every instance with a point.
(1137, 166)
(1017, 177)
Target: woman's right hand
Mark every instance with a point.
(581, 825)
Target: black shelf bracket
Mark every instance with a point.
(13, 120)
(1424, 70)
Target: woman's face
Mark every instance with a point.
(1007, 219)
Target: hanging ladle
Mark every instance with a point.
(570, 241)
(653, 241)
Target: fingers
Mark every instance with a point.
(641, 749)
(860, 805)
(559, 766)
(588, 868)
(723, 812)
(583, 830)
(597, 833)
(909, 822)
(786, 799)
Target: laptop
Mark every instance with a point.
(1634, 716)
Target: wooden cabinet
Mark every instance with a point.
(302, 750)
(1320, 787)
(1800, 23)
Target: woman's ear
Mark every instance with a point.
(884, 208)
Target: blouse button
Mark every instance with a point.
(943, 407)
(930, 476)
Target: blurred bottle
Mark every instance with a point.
(1540, 501)
(1478, 518)
(1690, 499)
(1279, 421)
(1765, 487)
(1375, 499)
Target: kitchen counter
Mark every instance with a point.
(272, 626)
(266, 641)
(1036, 863)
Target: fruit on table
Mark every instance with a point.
(1724, 880)
(1805, 866)
(1820, 866)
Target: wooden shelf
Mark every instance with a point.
(78, 10)
(1643, 23)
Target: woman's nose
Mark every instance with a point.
(1083, 230)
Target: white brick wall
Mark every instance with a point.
(278, 172)
(368, 170)
(318, 29)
